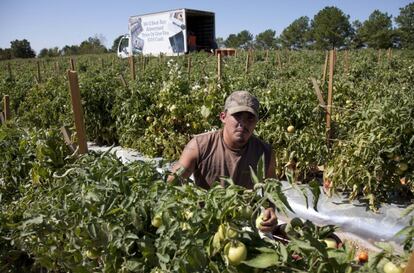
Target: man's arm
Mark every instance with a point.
(186, 165)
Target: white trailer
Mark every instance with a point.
(171, 32)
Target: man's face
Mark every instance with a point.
(238, 127)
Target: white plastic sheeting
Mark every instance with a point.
(352, 217)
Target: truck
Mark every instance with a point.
(173, 32)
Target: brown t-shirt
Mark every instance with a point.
(216, 159)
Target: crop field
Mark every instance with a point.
(61, 212)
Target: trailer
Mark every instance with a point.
(172, 32)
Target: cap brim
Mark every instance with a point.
(237, 109)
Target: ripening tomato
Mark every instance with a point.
(363, 257)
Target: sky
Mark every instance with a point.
(50, 23)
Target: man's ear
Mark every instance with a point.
(222, 116)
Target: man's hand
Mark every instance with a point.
(269, 220)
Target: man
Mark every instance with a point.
(231, 151)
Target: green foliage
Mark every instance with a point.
(405, 21)
(51, 52)
(296, 35)
(330, 28)
(266, 39)
(159, 112)
(377, 32)
(21, 49)
(242, 40)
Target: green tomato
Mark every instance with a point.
(236, 252)
(185, 226)
(390, 267)
(156, 221)
(331, 243)
(296, 222)
(402, 166)
(246, 212)
(221, 232)
(188, 214)
(259, 221)
(92, 254)
(231, 233)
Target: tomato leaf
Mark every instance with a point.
(263, 260)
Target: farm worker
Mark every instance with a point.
(230, 151)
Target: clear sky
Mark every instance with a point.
(50, 23)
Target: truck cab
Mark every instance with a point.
(173, 32)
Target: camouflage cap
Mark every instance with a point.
(242, 101)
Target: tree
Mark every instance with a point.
(330, 27)
(405, 22)
(231, 41)
(70, 50)
(355, 39)
(51, 52)
(92, 45)
(376, 31)
(5, 54)
(296, 35)
(266, 39)
(21, 49)
(242, 40)
(114, 47)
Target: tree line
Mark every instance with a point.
(330, 28)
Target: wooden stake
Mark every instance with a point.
(246, 70)
(389, 54)
(318, 92)
(219, 66)
(67, 137)
(346, 69)
(189, 67)
(6, 108)
(72, 64)
(330, 89)
(288, 55)
(123, 80)
(267, 55)
(10, 70)
(325, 68)
(410, 265)
(144, 60)
(38, 72)
(57, 68)
(132, 67)
(279, 59)
(77, 111)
